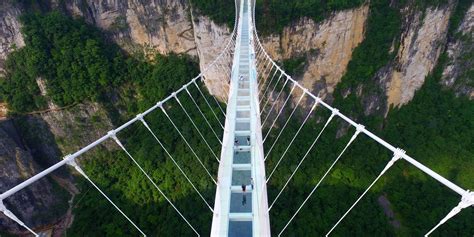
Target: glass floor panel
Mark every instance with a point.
(242, 140)
(240, 228)
(240, 177)
(242, 157)
(241, 203)
(242, 126)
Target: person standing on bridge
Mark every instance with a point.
(244, 197)
(236, 144)
(251, 183)
(248, 141)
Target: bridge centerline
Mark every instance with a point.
(241, 207)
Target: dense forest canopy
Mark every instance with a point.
(78, 65)
(436, 127)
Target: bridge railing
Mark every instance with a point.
(466, 196)
(70, 159)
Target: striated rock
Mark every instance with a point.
(38, 205)
(458, 73)
(162, 26)
(421, 43)
(77, 126)
(211, 40)
(10, 36)
(329, 45)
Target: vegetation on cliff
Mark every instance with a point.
(435, 127)
(78, 65)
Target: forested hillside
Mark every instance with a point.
(67, 62)
(79, 65)
(435, 127)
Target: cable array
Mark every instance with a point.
(221, 63)
(264, 62)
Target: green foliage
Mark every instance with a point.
(294, 66)
(436, 128)
(220, 11)
(383, 27)
(77, 65)
(67, 54)
(458, 15)
(273, 15)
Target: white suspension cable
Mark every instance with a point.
(189, 146)
(281, 110)
(395, 157)
(284, 126)
(304, 156)
(114, 137)
(467, 200)
(273, 105)
(196, 127)
(265, 68)
(264, 78)
(209, 105)
(359, 129)
(202, 114)
(271, 93)
(220, 107)
(72, 162)
(293, 139)
(14, 218)
(140, 117)
(266, 88)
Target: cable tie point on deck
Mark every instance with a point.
(467, 199)
(112, 134)
(334, 111)
(360, 128)
(159, 104)
(3, 208)
(70, 160)
(399, 153)
(140, 117)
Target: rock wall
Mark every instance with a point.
(10, 36)
(421, 42)
(459, 73)
(38, 205)
(328, 45)
(211, 39)
(162, 26)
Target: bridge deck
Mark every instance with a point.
(239, 204)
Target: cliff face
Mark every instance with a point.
(211, 39)
(43, 203)
(327, 47)
(167, 26)
(422, 40)
(161, 25)
(10, 36)
(459, 73)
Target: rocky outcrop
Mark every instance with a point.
(42, 203)
(10, 36)
(211, 39)
(162, 26)
(422, 40)
(327, 46)
(459, 72)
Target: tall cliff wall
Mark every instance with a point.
(459, 73)
(327, 47)
(10, 36)
(167, 26)
(422, 40)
